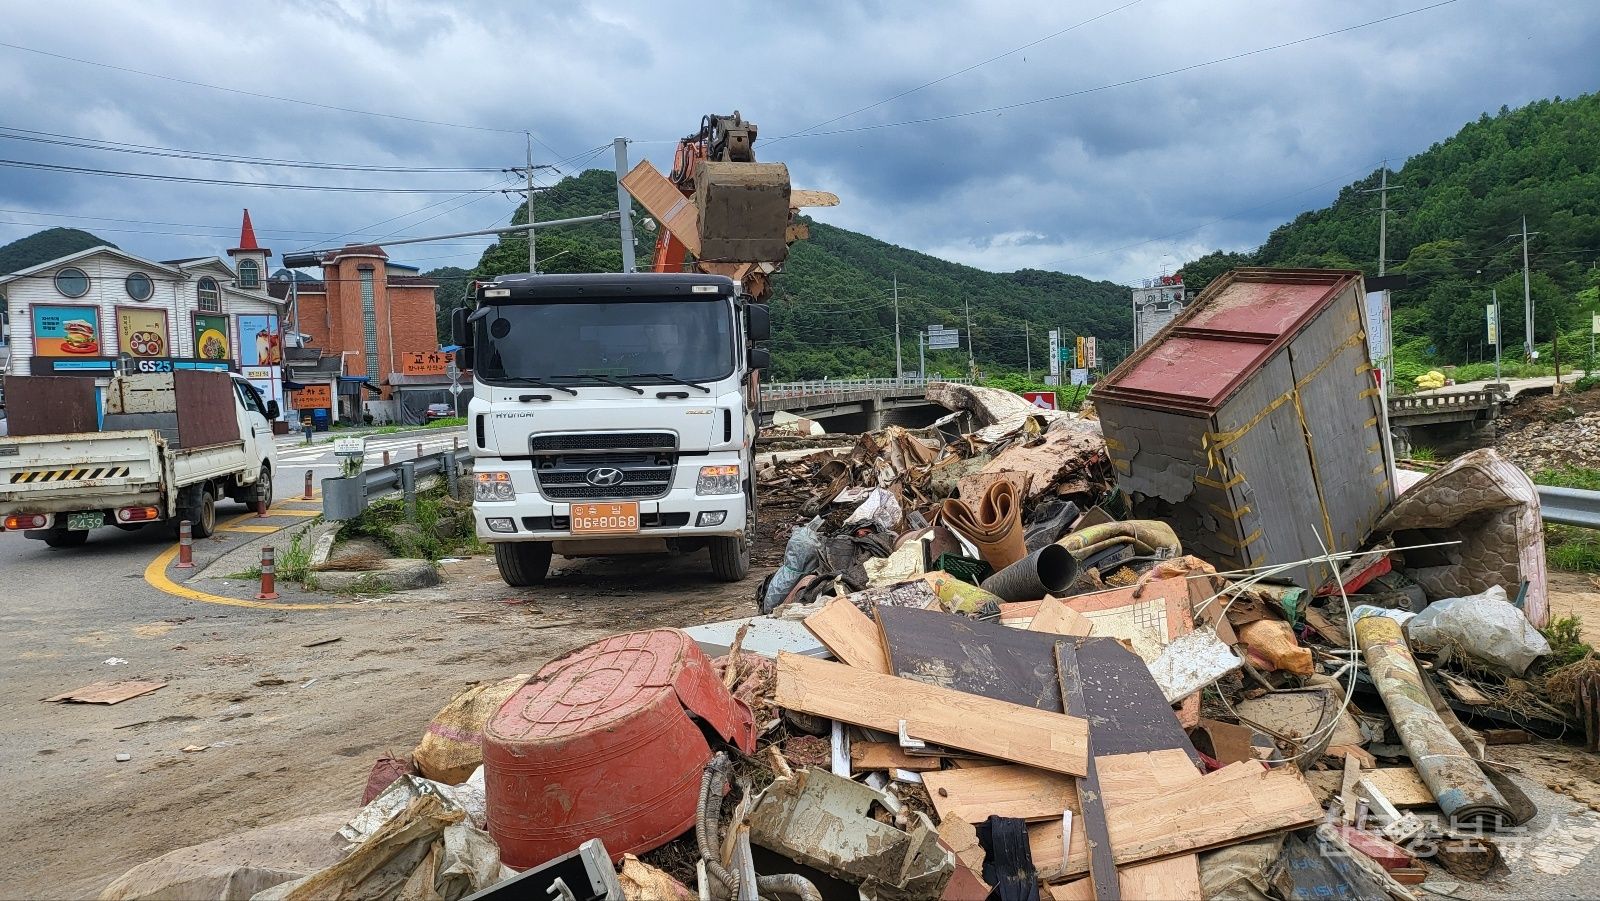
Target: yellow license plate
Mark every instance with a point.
(605, 519)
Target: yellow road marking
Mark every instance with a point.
(155, 575)
(258, 530)
(281, 512)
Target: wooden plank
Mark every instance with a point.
(1056, 617)
(970, 655)
(1005, 791)
(1129, 710)
(849, 635)
(883, 755)
(1052, 741)
(802, 197)
(1347, 787)
(668, 205)
(1238, 802)
(1091, 800)
(108, 692)
(1400, 784)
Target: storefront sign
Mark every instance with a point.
(431, 362)
(259, 341)
(142, 332)
(313, 396)
(211, 337)
(60, 331)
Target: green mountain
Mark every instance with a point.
(1455, 236)
(834, 302)
(41, 247)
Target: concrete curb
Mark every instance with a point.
(247, 555)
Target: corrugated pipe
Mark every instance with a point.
(713, 780)
(1048, 570)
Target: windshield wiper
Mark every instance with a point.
(669, 377)
(541, 383)
(602, 379)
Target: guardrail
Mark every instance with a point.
(347, 497)
(1570, 506)
(1417, 403)
(841, 386)
(381, 480)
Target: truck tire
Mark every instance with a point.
(65, 538)
(261, 490)
(199, 506)
(523, 563)
(730, 558)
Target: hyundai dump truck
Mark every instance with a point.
(613, 414)
(143, 448)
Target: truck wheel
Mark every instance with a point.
(730, 558)
(65, 538)
(523, 563)
(199, 507)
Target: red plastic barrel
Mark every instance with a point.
(604, 743)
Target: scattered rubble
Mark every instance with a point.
(997, 659)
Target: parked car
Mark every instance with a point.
(438, 411)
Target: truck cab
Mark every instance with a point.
(613, 414)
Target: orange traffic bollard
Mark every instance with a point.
(185, 545)
(261, 508)
(385, 458)
(269, 575)
(419, 450)
(307, 495)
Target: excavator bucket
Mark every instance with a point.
(744, 211)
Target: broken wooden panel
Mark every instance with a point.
(663, 201)
(849, 635)
(1028, 793)
(866, 756)
(1148, 616)
(1051, 741)
(1054, 616)
(1400, 784)
(107, 692)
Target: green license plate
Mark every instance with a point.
(83, 522)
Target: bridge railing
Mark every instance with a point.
(847, 386)
(1461, 400)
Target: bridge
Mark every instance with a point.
(854, 405)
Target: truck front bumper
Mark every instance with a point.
(679, 514)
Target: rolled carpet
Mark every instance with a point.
(994, 525)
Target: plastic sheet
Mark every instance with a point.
(880, 508)
(799, 558)
(1484, 626)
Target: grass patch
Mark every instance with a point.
(1572, 549)
(1569, 477)
(1424, 454)
(385, 522)
(449, 422)
(1566, 641)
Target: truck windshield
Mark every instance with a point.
(648, 340)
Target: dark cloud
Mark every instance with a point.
(1113, 183)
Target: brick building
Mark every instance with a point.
(371, 336)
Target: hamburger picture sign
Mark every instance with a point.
(60, 331)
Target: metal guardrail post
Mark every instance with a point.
(408, 488)
(452, 478)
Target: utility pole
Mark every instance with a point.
(1527, 293)
(899, 370)
(972, 359)
(1494, 297)
(624, 204)
(533, 253)
(1027, 348)
(1387, 351)
(922, 354)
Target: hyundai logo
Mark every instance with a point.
(603, 477)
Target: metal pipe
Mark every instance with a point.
(1451, 774)
(713, 780)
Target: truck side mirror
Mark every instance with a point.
(464, 357)
(760, 358)
(273, 411)
(460, 331)
(757, 322)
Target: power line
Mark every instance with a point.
(1118, 84)
(62, 140)
(190, 179)
(262, 96)
(928, 84)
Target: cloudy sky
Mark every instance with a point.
(1003, 135)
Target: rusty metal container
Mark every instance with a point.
(1252, 423)
(607, 742)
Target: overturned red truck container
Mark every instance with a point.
(607, 742)
(1252, 423)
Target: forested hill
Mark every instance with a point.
(43, 246)
(833, 304)
(1461, 201)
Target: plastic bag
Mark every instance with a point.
(880, 507)
(1485, 626)
(452, 747)
(799, 558)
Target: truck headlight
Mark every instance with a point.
(493, 486)
(718, 480)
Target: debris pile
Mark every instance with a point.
(993, 664)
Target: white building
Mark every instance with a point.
(1156, 302)
(83, 313)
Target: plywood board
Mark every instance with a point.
(1240, 801)
(662, 200)
(1052, 741)
(50, 405)
(971, 655)
(1173, 879)
(1148, 616)
(849, 635)
(1029, 793)
(108, 692)
(1055, 617)
(866, 756)
(1400, 784)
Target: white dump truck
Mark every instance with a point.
(144, 448)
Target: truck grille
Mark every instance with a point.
(567, 465)
(646, 521)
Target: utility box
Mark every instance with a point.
(1252, 423)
